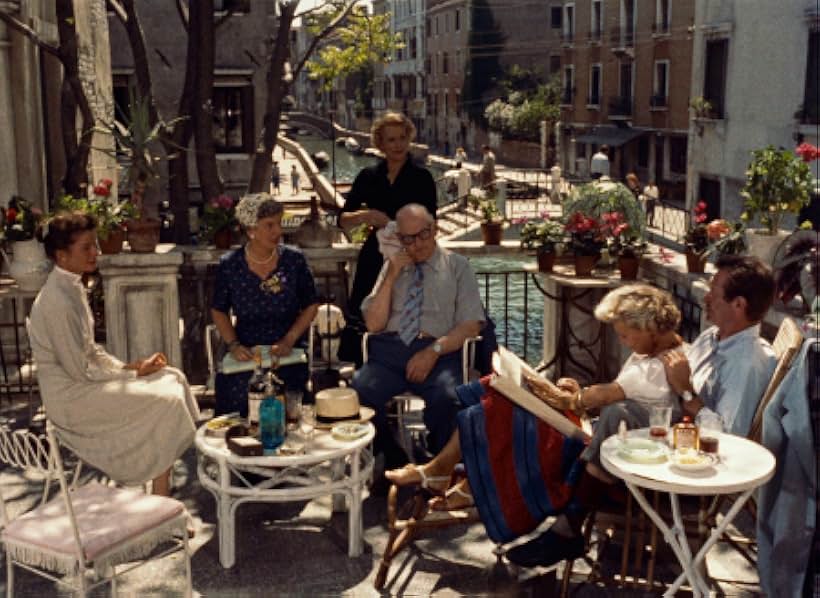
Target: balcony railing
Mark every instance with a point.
(620, 106)
(622, 38)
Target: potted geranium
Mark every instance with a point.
(626, 244)
(111, 215)
(219, 218)
(30, 266)
(586, 240)
(696, 240)
(543, 234)
(725, 237)
(778, 182)
(492, 221)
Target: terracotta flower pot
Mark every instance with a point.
(695, 262)
(492, 232)
(629, 266)
(585, 263)
(113, 242)
(546, 260)
(143, 235)
(223, 238)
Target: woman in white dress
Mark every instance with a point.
(130, 420)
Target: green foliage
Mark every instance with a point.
(777, 182)
(732, 242)
(542, 233)
(110, 215)
(483, 70)
(602, 197)
(359, 42)
(529, 102)
(487, 206)
(20, 220)
(701, 107)
(217, 214)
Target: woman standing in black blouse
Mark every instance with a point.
(377, 194)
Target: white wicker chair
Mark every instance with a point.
(90, 528)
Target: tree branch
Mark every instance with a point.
(29, 33)
(322, 35)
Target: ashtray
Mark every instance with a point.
(348, 431)
(690, 460)
(642, 450)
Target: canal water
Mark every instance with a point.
(501, 279)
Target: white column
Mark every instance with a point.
(8, 140)
(142, 304)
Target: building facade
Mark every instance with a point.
(757, 64)
(625, 75)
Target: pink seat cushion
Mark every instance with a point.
(106, 517)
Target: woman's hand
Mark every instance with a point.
(556, 396)
(152, 364)
(282, 347)
(241, 353)
(568, 384)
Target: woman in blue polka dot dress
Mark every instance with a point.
(270, 290)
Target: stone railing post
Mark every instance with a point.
(142, 303)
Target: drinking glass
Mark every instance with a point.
(307, 422)
(659, 420)
(711, 427)
(293, 407)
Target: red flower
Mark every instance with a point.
(807, 151)
(700, 218)
(102, 191)
(701, 206)
(11, 215)
(107, 182)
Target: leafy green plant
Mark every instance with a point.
(696, 237)
(778, 182)
(604, 197)
(701, 107)
(624, 241)
(487, 207)
(587, 234)
(726, 238)
(20, 220)
(111, 215)
(542, 233)
(219, 213)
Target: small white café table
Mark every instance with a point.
(743, 466)
(327, 467)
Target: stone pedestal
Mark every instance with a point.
(142, 304)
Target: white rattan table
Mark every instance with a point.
(743, 466)
(327, 467)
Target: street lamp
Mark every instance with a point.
(333, 152)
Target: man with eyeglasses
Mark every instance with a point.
(424, 305)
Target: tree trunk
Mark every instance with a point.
(277, 89)
(202, 30)
(76, 177)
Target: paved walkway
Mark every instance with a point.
(300, 549)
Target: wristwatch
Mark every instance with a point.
(436, 347)
(687, 395)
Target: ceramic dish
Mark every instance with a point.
(642, 450)
(692, 461)
(347, 431)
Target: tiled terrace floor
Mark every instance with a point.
(300, 550)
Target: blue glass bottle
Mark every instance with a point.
(272, 416)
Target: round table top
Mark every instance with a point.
(743, 464)
(322, 447)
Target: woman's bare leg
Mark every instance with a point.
(161, 485)
(441, 465)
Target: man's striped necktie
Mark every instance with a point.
(410, 322)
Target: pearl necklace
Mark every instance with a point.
(260, 262)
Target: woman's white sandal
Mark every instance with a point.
(434, 484)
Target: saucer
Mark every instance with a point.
(642, 450)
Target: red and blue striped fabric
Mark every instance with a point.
(520, 469)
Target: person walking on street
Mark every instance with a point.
(599, 166)
(650, 195)
(486, 174)
(294, 180)
(275, 177)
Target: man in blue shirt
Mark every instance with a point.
(727, 368)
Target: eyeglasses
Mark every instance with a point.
(422, 235)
